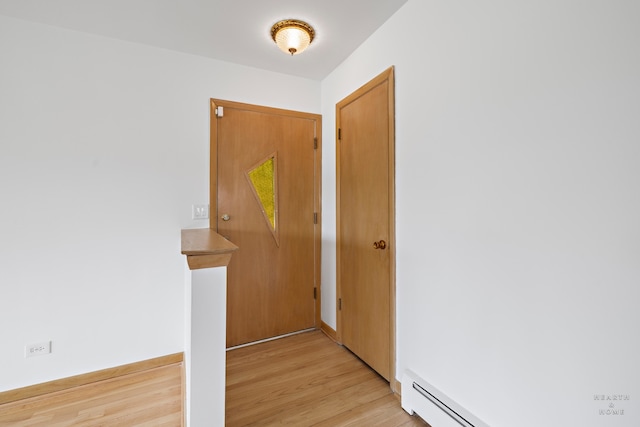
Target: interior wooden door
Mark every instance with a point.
(366, 256)
(266, 202)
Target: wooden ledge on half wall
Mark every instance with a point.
(205, 248)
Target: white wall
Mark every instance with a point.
(205, 353)
(104, 147)
(518, 153)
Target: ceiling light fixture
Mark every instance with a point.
(292, 36)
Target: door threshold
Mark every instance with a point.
(270, 339)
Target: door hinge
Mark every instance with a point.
(315, 143)
(315, 217)
(339, 303)
(315, 293)
(339, 133)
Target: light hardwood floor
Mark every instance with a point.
(149, 398)
(303, 380)
(307, 380)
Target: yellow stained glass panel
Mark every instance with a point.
(262, 178)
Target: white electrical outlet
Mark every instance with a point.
(37, 349)
(200, 211)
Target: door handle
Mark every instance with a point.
(380, 245)
(225, 217)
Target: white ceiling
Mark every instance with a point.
(229, 30)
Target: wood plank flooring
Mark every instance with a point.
(303, 380)
(149, 398)
(307, 380)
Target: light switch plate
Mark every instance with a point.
(199, 211)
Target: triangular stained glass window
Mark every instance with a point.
(263, 180)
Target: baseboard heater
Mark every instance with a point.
(433, 406)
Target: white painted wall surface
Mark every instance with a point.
(518, 239)
(104, 147)
(206, 347)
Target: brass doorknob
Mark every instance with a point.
(225, 217)
(380, 245)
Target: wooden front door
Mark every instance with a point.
(366, 255)
(265, 198)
